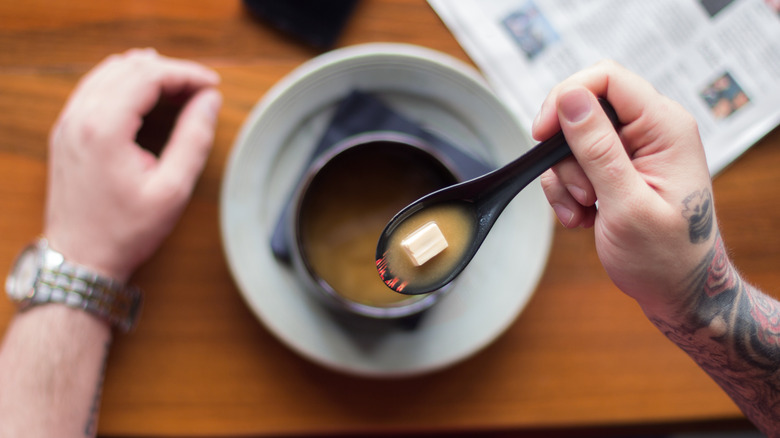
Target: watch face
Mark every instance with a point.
(20, 281)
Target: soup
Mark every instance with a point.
(347, 205)
(456, 223)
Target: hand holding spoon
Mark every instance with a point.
(409, 255)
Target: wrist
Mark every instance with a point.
(42, 275)
(701, 298)
(91, 257)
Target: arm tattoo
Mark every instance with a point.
(90, 429)
(731, 330)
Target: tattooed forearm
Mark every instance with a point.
(728, 327)
(90, 429)
(733, 332)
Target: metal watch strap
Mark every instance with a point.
(80, 288)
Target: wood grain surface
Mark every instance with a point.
(581, 357)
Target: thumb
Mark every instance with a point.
(183, 158)
(596, 145)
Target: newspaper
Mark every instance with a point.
(720, 59)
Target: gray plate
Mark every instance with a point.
(444, 96)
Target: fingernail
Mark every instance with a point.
(538, 117)
(536, 121)
(575, 105)
(565, 215)
(578, 193)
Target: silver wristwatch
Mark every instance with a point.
(41, 275)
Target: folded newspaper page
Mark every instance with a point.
(720, 59)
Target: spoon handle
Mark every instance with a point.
(509, 180)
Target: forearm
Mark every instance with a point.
(732, 331)
(51, 373)
(655, 228)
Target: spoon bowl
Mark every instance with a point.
(465, 213)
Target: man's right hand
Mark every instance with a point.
(655, 220)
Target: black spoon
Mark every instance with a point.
(465, 213)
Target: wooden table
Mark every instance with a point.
(581, 359)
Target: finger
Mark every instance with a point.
(103, 76)
(570, 212)
(119, 91)
(596, 145)
(629, 94)
(84, 86)
(171, 72)
(130, 84)
(571, 176)
(183, 158)
(146, 76)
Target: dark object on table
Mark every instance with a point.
(316, 22)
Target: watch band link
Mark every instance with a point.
(80, 288)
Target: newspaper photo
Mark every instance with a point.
(720, 59)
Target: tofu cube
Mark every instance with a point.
(424, 243)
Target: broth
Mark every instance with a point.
(348, 204)
(456, 223)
